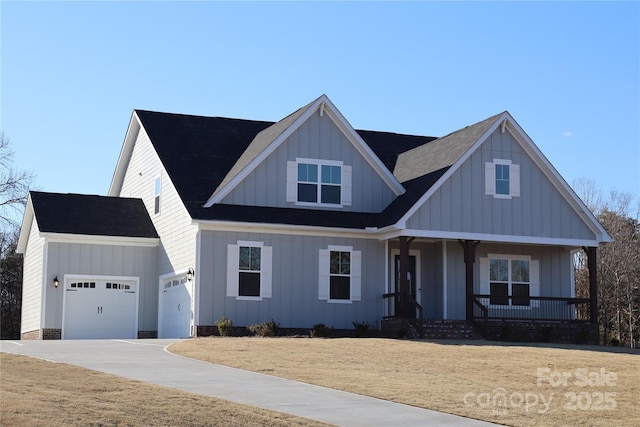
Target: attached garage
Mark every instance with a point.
(174, 314)
(100, 307)
(90, 269)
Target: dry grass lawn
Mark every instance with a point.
(465, 378)
(34, 392)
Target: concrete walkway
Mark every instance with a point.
(148, 361)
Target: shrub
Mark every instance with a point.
(224, 326)
(264, 329)
(320, 330)
(361, 328)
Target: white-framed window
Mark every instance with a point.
(510, 280)
(157, 191)
(340, 274)
(313, 182)
(502, 179)
(249, 266)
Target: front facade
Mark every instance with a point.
(309, 221)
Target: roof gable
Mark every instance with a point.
(267, 141)
(472, 137)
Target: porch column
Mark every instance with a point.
(469, 247)
(402, 302)
(593, 283)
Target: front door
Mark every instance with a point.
(412, 273)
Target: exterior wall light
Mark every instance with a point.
(190, 274)
(56, 282)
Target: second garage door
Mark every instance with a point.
(100, 308)
(174, 317)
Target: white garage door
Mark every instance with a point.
(100, 308)
(174, 316)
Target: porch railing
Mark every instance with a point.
(531, 308)
(391, 304)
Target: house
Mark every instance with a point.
(306, 221)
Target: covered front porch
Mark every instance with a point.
(482, 282)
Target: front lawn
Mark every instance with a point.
(518, 385)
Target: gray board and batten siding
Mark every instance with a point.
(294, 302)
(103, 260)
(317, 138)
(461, 205)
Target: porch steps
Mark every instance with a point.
(431, 329)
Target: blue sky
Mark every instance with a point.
(72, 72)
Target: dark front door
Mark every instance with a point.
(412, 280)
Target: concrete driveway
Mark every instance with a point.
(149, 361)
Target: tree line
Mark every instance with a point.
(618, 264)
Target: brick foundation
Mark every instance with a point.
(31, 335)
(51, 334)
(147, 334)
(553, 332)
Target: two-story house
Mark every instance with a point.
(306, 221)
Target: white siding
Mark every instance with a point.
(32, 281)
(173, 223)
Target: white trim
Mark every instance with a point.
(233, 270)
(157, 192)
(28, 220)
(444, 279)
(510, 257)
(126, 151)
(324, 274)
(101, 240)
(45, 290)
(196, 300)
(338, 248)
(319, 163)
(497, 238)
(250, 243)
(386, 278)
(296, 230)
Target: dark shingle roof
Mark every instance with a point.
(91, 215)
(199, 152)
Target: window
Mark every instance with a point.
(156, 198)
(249, 270)
(502, 179)
(318, 182)
(340, 274)
(510, 280)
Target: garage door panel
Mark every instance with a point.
(175, 313)
(100, 309)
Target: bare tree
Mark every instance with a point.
(14, 190)
(14, 186)
(10, 285)
(618, 265)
